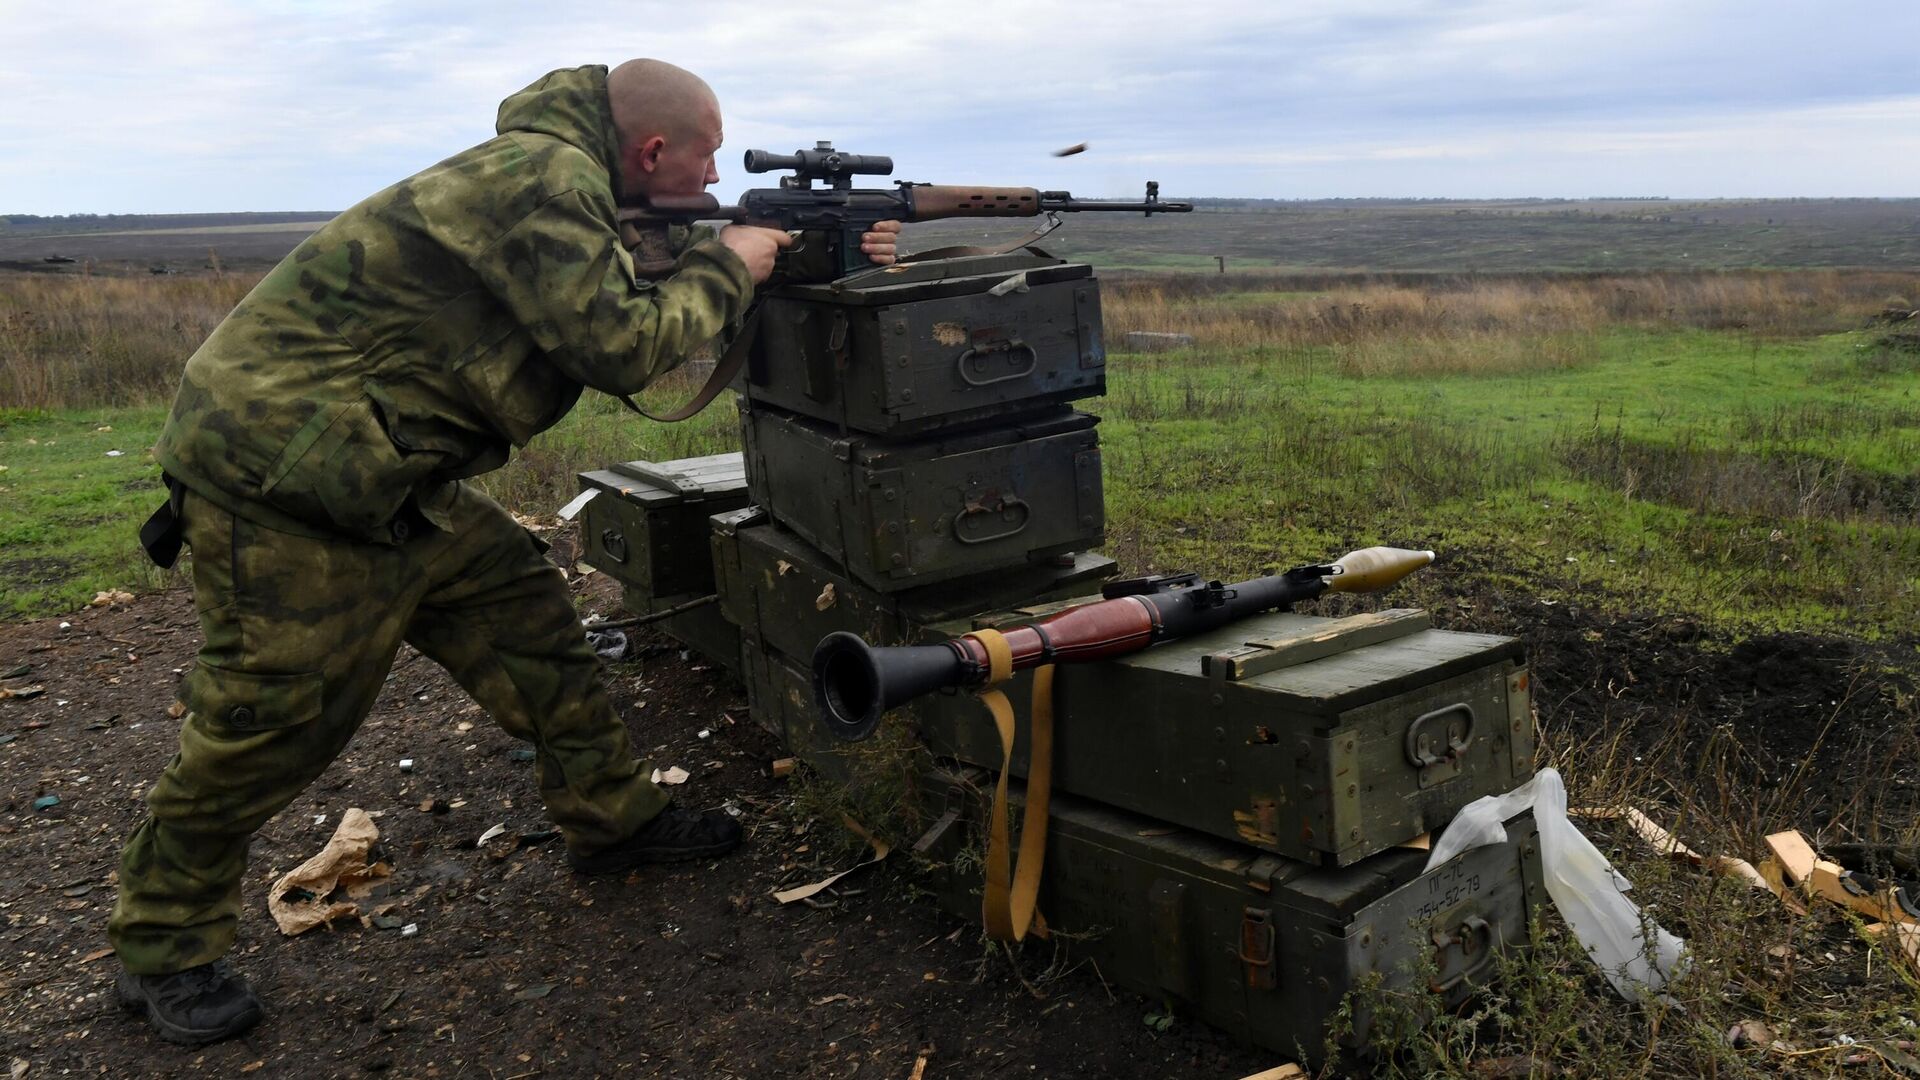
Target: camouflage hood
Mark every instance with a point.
(419, 336)
(569, 105)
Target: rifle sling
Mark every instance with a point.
(723, 372)
(1007, 248)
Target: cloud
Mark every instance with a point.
(222, 105)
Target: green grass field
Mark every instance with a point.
(1754, 485)
(69, 506)
(1751, 484)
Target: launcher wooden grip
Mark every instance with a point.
(1092, 632)
(931, 201)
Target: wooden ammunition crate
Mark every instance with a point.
(904, 513)
(1326, 752)
(648, 528)
(926, 345)
(1329, 741)
(1258, 945)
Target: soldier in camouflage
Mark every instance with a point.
(315, 459)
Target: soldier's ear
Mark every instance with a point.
(649, 152)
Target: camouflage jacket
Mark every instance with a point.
(416, 337)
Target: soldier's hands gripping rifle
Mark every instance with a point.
(854, 683)
(843, 212)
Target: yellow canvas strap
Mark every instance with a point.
(1009, 902)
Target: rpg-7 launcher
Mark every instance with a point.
(843, 211)
(854, 683)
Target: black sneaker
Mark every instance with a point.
(675, 835)
(199, 1005)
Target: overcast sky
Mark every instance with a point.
(212, 105)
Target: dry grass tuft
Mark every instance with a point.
(71, 342)
(1468, 325)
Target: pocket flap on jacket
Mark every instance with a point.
(245, 701)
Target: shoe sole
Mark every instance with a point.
(631, 860)
(174, 1033)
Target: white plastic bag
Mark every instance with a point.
(1585, 887)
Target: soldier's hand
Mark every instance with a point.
(756, 247)
(879, 244)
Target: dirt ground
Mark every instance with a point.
(519, 968)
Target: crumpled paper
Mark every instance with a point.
(304, 897)
(610, 644)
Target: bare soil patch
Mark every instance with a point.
(520, 968)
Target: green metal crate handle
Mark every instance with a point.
(1033, 364)
(1475, 937)
(1008, 507)
(1420, 748)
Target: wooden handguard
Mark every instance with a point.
(1091, 632)
(932, 201)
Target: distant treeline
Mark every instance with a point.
(38, 225)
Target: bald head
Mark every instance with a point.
(668, 121)
(653, 97)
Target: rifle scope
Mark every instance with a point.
(822, 162)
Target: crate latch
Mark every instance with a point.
(1256, 948)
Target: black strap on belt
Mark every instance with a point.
(162, 534)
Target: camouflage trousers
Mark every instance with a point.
(300, 636)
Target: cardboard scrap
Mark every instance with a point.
(880, 850)
(1752, 1033)
(1776, 880)
(574, 505)
(1826, 880)
(1669, 845)
(674, 774)
(302, 898)
(1284, 1072)
(1907, 936)
(1794, 854)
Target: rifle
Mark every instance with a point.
(845, 212)
(854, 683)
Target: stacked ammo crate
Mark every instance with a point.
(1231, 813)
